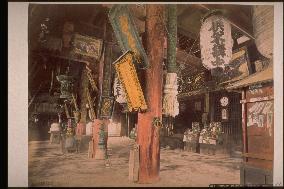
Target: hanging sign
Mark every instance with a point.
(224, 113)
(87, 46)
(239, 66)
(126, 34)
(128, 77)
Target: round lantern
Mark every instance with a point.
(216, 42)
(263, 29)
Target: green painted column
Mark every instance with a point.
(172, 38)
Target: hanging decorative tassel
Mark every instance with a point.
(170, 102)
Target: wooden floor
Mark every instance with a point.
(49, 167)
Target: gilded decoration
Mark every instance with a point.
(127, 75)
(106, 107)
(191, 82)
(87, 46)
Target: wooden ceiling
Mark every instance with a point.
(189, 18)
(90, 18)
(189, 15)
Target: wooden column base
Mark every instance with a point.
(100, 153)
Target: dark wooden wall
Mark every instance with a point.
(233, 126)
(185, 118)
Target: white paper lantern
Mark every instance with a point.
(216, 42)
(263, 29)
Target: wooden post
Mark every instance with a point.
(105, 79)
(244, 124)
(83, 94)
(212, 106)
(206, 102)
(148, 135)
(171, 38)
(127, 123)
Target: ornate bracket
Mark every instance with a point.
(157, 122)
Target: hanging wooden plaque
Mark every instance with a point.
(126, 34)
(87, 46)
(127, 75)
(240, 64)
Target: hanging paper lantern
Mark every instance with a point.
(263, 29)
(170, 102)
(216, 43)
(119, 92)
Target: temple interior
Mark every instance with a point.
(150, 95)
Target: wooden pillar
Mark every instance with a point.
(171, 51)
(206, 103)
(212, 107)
(171, 38)
(148, 135)
(105, 80)
(244, 123)
(84, 100)
(127, 123)
(123, 131)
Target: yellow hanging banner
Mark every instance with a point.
(127, 75)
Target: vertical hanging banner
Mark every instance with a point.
(126, 34)
(127, 75)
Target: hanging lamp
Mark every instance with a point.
(262, 20)
(216, 42)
